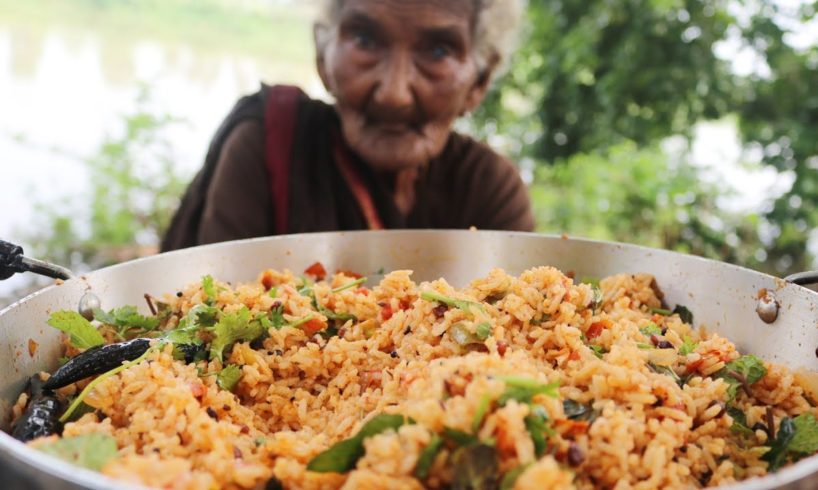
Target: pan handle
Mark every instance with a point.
(13, 261)
(805, 278)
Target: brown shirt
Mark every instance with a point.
(467, 185)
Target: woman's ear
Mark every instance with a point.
(481, 85)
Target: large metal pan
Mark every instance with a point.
(723, 297)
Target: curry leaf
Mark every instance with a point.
(684, 314)
(83, 335)
(777, 454)
(739, 426)
(342, 456)
(427, 457)
(228, 377)
(475, 468)
(459, 437)
(578, 411)
(90, 451)
(661, 311)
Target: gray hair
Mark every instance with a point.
(496, 32)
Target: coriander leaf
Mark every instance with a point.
(209, 289)
(273, 292)
(276, 316)
(427, 457)
(459, 437)
(805, 439)
(661, 311)
(536, 424)
(743, 371)
(232, 328)
(750, 366)
(482, 407)
(596, 302)
(598, 350)
(228, 377)
(684, 314)
(342, 456)
(90, 451)
(592, 281)
(739, 426)
(483, 330)
(510, 478)
(650, 329)
(126, 316)
(83, 334)
(475, 468)
(643, 346)
(349, 285)
(688, 346)
(524, 390)
(460, 304)
(777, 455)
(331, 315)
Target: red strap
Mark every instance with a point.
(356, 185)
(279, 124)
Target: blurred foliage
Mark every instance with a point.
(635, 195)
(598, 84)
(133, 189)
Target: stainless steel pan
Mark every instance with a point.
(723, 297)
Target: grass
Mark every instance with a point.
(259, 29)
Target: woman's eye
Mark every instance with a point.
(439, 51)
(363, 40)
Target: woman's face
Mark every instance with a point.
(401, 72)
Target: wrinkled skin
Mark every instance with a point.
(401, 72)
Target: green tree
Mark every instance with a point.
(599, 80)
(134, 187)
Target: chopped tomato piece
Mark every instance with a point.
(364, 291)
(267, 280)
(405, 305)
(317, 271)
(596, 329)
(313, 326)
(386, 311)
(574, 356)
(348, 273)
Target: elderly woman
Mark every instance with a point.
(384, 154)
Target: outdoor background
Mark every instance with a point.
(683, 124)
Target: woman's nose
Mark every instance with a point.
(395, 87)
